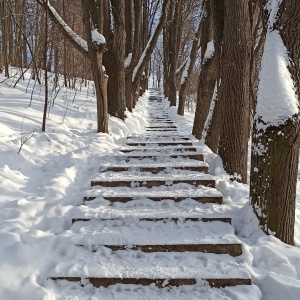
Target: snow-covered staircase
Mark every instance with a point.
(136, 231)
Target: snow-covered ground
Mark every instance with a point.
(42, 190)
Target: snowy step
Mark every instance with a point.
(80, 290)
(160, 283)
(144, 138)
(161, 127)
(164, 269)
(117, 180)
(158, 149)
(160, 236)
(161, 130)
(157, 156)
(157, 167)
(130, 232)
(158, 143)
(166, 219)
(200, 194)
(160, 211)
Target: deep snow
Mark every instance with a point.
(43, 186)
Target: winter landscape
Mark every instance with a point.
(110, 196)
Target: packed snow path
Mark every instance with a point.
(135, 238)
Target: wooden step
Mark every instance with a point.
(198, 157)
(152, 183)
(163, 136)
(161, 130)
(160, 283)
(175, 220)
(189, 149)
(182, 143)
(230, 249)
(161, 127)
(203, 199)
(155, 170)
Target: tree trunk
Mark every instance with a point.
(135, 53)
(188, 70)
(174, 42)
(46, 72)
(114, 60)
(234, 89)
(275, 148)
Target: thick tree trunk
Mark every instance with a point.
(234, 89)
(275, 149)
(207, 80)
(128, 27)
(95, 55)
(274, 177)
(114, 60)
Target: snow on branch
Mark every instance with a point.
(76, 38)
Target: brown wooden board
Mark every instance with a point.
(160, 283)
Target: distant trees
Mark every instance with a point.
(131, 29)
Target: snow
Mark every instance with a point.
(210, 50)
(42, 190)
(276, 100)
(128, 60)
(97, 37)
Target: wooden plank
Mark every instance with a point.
(152, 183)
(203, 199)
(155, 170)
(230, 249)
(155, 157)
(189, 149)
(175, 220)
(160, 283)
(177, 143)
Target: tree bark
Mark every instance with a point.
(188, 70)
(114, 60)
(234, 89)
(174, 43)
(135, 53)
(275, 149)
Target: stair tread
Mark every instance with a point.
(150, 265)
(155, 177)
(129, 232)
(156, 210)
(143, 193)
(152, 164)
(138, 292)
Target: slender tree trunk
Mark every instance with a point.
(135, 53)
(188, 70)
(176, 30)
(45, 72)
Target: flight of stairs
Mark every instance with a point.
(149, 220)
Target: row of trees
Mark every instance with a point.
(230, 47)
(248, 88)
